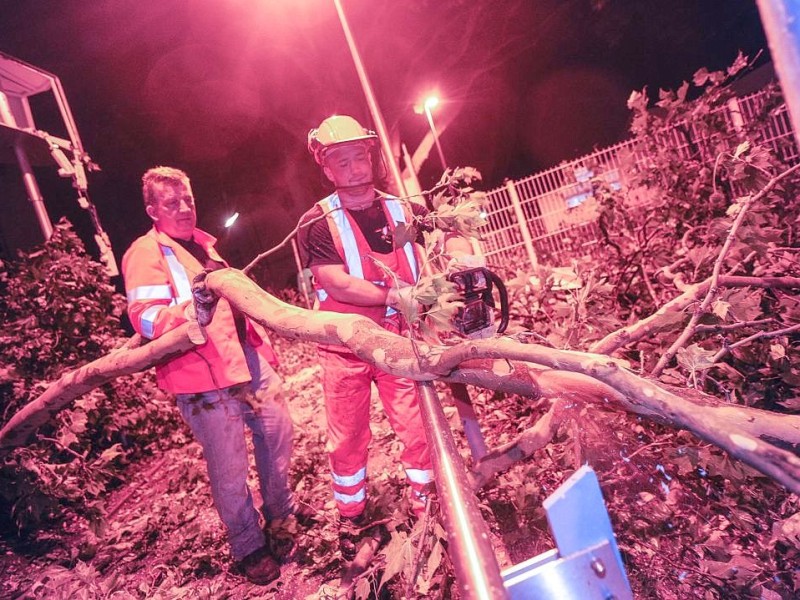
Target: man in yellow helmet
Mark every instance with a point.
(357, 270)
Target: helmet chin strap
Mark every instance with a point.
(353, 187)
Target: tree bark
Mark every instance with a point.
(673, 311)
(758, 438)
(130, 358)
(745, 433)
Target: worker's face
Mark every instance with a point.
(173, 210)
(349, 166)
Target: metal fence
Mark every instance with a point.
(552, 216)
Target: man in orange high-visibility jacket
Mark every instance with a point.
(222, 385)
(357, 270)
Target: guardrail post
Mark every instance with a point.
(468, 544)
(781, 20)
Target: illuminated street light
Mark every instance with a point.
(231, 220)
(427, 105)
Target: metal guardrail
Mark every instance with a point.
(586, 563)
(468, 544)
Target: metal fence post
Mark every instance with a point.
(523, 223)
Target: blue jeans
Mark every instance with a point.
(217, 419)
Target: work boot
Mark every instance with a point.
(351, 534)
(282, 533)
(259, 567)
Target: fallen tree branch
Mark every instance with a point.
(503, 364)
(528, 442)
(738, 430)
(756, 336)
(713, 286)
(720, 327)
(122, 361)
(672, 311)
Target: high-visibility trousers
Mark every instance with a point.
(346, 382)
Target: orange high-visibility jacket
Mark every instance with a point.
(158, 275)
(352, 246)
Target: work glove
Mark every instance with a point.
(399, 297)
(203, 299)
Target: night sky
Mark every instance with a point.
(228, 89)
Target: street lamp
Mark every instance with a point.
(380, 126)
(231, 220)
(427, 105)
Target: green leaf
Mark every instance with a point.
(777, 351)
(109, 454)
(700, 77)
(745, 304)
(720, 308)
(395, 557)
(695, 358)
(741, 149)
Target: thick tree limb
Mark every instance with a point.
(672, 311)
(740, 431)
(745, 433)
(528, 442)
(123, 361)
(367, 340)
(501, 364)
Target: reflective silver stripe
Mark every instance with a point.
(182, 284)
(148, 320)
(399, 216)
(150, 292)
(420, 476)
(350, 498)
(348, 480)
(352, 257)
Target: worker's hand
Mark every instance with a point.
(400, 297)
(203, 299)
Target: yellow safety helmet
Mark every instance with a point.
(335, 130)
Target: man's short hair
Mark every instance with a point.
(159, 176)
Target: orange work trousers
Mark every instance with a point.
(346, 382)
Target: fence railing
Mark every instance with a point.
(552, 216)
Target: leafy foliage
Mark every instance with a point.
(704, 525)
(689, 521)
(664, 228)
(58, 311)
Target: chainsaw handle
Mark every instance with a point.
(501, 290)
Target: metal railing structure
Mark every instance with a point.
(551, 216)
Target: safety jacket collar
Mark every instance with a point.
(206, 240)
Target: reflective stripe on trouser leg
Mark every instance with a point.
(419, 481)
(350, 492)
(401, 403)
(346, 383)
